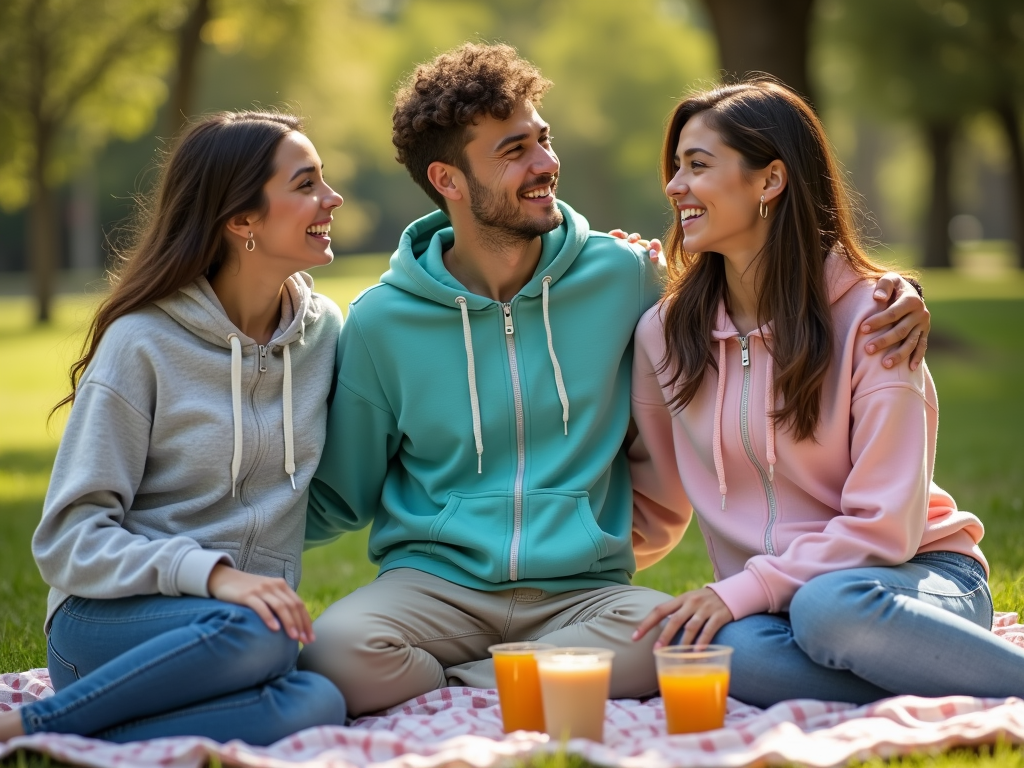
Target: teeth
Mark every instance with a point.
(690, 213)
(319, 229)
(538, 193)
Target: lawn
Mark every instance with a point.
(977, 359)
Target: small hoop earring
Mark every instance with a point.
(762, 208)
(250, 244)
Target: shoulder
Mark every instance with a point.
(615, 249)
(326, 311)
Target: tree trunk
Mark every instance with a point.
(759, 36)
(182, 102)
(42, 221)
(1011, 124)
(937, 245)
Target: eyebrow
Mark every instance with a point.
(519, 137)
(307, 169)
(694, 150)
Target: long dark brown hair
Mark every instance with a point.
(765, 121)
(215, 171)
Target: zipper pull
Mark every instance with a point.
(744, 352)
(263, 359)
(507, 309)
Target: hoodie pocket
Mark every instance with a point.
(474, 532)
(559, 536)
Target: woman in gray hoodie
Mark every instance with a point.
(172, 530)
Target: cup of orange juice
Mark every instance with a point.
(574, 685)
(518, 686)
(694, 683)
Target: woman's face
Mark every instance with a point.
(715, 197)
(296, 227)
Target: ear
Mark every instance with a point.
(241, 225)
(775, 179)
(448, 180)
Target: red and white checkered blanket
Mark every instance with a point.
(462, 727)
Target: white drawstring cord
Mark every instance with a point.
(236, 406)
(559, 384)
(474, 402)
(286, 402)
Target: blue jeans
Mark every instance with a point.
(152, 666)
(864, 634)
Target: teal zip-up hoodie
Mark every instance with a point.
(485, 449)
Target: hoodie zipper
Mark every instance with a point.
(745, 432)
(250, 540)
(517, 393)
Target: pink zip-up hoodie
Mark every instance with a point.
(776, 512)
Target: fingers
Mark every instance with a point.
(619, 233)
(263, 611)
(880, 319)
(917, 356)
(289, 609)
(893, 336)
(656, 616)
(887, 286)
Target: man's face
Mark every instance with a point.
(512, 174)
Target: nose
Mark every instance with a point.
(546, 162)
(332, 200)
(676, 187)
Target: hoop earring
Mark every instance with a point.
(762, 208)
(250, 244)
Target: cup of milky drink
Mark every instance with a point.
(574, 686)
(515, 669)
(694, 683)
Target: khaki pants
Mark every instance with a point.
(409, 632)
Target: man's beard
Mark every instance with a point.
(503, 222)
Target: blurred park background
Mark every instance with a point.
(922, 98)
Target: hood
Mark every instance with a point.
(417, 267)
(197, 308)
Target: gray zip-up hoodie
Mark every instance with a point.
(189, 444)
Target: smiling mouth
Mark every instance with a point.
(689, 214)
(320, 231)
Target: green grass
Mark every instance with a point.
(977, 359)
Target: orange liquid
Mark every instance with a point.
(694, 698)
(519, 692)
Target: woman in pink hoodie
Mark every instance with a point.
(841, 571)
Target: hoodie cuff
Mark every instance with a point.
(742, 594)
(195, 568)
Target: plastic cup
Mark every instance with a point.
(694, 684)
(518, 685)
(574, 685)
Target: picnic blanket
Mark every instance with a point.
(462, 727)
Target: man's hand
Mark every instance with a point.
(905, 323)
(272, 599)
(700, 613)
(653, 247)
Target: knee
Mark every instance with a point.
(265, 652)
(831, 613)
(346, 646)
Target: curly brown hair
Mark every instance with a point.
(436, 105)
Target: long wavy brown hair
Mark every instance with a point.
(215, 171)
(765, 121)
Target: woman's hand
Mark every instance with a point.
(272, 599)
(653, 247)
(908, 319)
(700, 613)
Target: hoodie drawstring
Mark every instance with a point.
(559, 384)
(286, 405)
(474, 402)
(236, 407)
(769, 418)
(717, 438)
(236, 411)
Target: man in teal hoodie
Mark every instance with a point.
(481, 404)
(480, 410)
